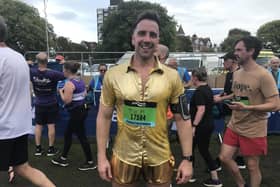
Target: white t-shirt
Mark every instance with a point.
(15, 101)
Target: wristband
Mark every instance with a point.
(188, 158)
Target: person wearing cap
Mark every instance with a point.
(230, 65)
(59, 59)
(275, 70)
(44, 83)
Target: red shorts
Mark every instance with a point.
(247, 146)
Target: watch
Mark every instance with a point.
(188, 158)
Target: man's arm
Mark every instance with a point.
(270, 104)
(103, 124)
(184, 129)
(199, 115)
(219, 98)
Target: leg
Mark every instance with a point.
(40, 116)
(51, 134)
(226, 156)
(240, 161)
(62, 159)
(158, 176)
(203, 134)
(124, 175)
(34, 175)
(254, 171)
(81, 134)
(11, 174)
(38, 134)
(252, 148)
(159, 185)
(67, 138)
(114, 184)
(52, 115)
(84, 142)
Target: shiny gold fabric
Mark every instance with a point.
(127, 174)
(138, 145)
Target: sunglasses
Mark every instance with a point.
(102, 70)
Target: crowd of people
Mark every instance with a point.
(148, 92)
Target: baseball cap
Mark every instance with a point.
(229, 55)
(59, 57)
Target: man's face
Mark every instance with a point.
(145, 38)
(228, 64)
(274, 64)
(243, 56)
(102, 70)
(172, 63)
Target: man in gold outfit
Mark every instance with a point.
(141, 90)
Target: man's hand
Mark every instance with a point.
(104, 169)
(184, 172)
(217, 98)
(30, 62)
(238, 106)
(193, 131)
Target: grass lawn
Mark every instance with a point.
(72, 177)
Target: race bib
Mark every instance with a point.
(139, 113)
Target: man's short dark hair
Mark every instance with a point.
(3, 30)
(251, 42)
(149, 15)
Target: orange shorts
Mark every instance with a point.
(124, 173)
(247, 146)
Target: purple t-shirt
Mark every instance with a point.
(44, 85)
(79, 94)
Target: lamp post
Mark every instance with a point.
(46, 27)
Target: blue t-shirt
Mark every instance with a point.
(96, 82)
(184, 75)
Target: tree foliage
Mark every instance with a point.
(26, 29)
(117, 28)
(269, 33)
(233, 36)
(183, 44)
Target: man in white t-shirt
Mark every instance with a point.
(15, 113)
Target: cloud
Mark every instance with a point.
(66, 15)
(76, 19)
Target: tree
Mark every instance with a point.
(233, 36)
(26, 29)
(183, 44)
(117, 28)
(269, 33)
(63, 44)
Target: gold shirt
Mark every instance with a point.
(138, 145)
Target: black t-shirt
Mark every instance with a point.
(228, 83)
(202, 96)
(228, 91)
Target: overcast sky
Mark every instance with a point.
(76, 19)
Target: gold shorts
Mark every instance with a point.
(124, 173)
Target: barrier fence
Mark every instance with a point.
(273, 119)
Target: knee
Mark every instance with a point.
(224, 158)
(252, 166)
(21, 169)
